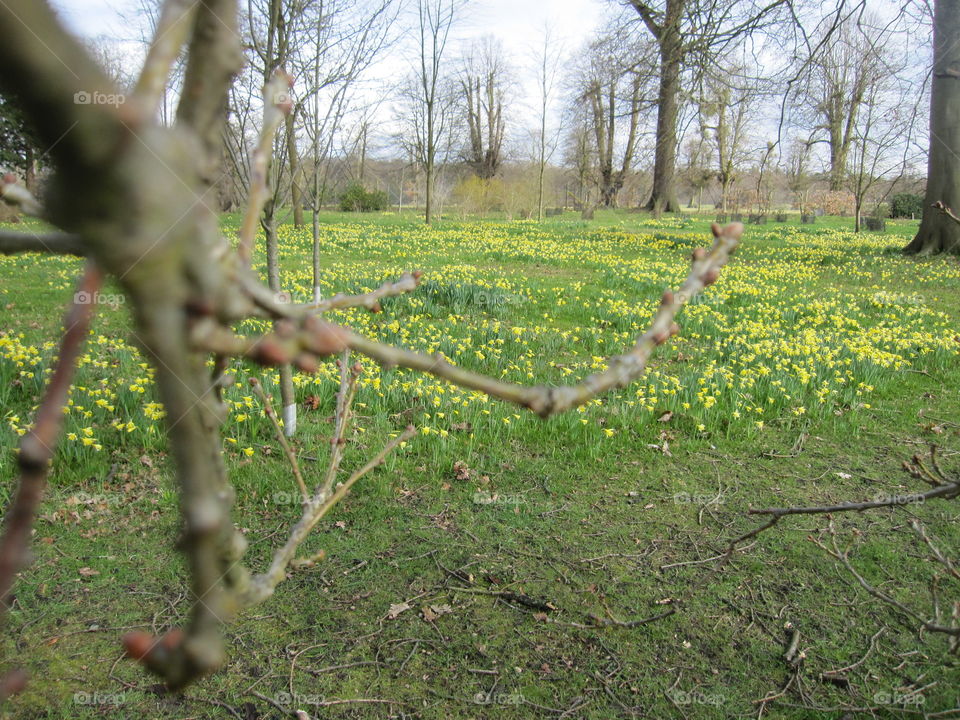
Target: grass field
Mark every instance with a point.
(807, 375)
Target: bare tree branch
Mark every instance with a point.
(51, 243)
(408, 282)
(262, 586)
(622, 370)
(843, 556)
(281, 438)
(276, 104)
(214, 57)
(946, 211)
(172, 30)
(38, 445)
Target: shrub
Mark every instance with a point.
(478, 196)
(836, 202)
(356, 198)
(906, 205)
(376, 201)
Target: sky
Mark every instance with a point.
(516, 22)
(519, 24)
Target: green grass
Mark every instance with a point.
(584, 518)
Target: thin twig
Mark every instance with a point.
(622, 370)
(348, 388)
(408, 282)
(278, 431)
(939, 205)
(946, 491)
(276, 104)
(844, 558)
(38, 445)
(262, 586)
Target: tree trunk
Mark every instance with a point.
(542, 164)
(428, 211)
(939, 233)
(609, 189)
(296, 191)
(287, 398)
(316, 254)
(838, 170)
(540, 193)
(30, 171)
(663, 198)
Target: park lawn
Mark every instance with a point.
(818, 363)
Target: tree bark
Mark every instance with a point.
(287, 397)
(939, 233)
(663, 197)
(296, 189)
(428, 210)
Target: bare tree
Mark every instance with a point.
(344, 39)
(842, 75)
(547, 63)
(691, 34)
(696, 171)
(763, 191)
(414, 135)
(610, 84)
(725, 110)
(430, 98)
(876, 152)
(797, 170)
(484, 84)
(938, 232)
(578, 154)
(273, 33)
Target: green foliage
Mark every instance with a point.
(906, 205)
(17, 144)
(356, 198)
